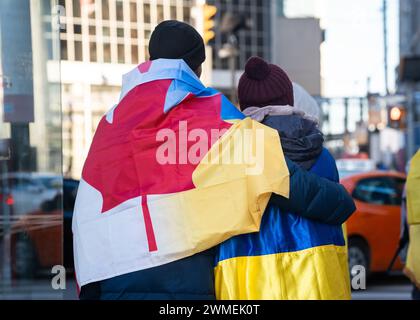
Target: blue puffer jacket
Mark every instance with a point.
(193, 277)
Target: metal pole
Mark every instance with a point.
(346, 115)
(232, 63)
(361, 110)
(410, 120)
(233, 41)
(385, 31)
(7, 271)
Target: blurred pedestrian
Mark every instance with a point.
(412, 218)
(291, 257)
(304, 102)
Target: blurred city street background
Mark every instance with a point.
(395, 287)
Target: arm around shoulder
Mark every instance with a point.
(315, 198)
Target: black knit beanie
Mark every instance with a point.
(173, 39)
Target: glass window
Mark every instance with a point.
(121, 57)
(134, 54)
(398, 186)
(76, 8)
(105, 9)
(134, 33)
(92, 30)
(106, 31)
(77, 29)
(92, 50)
(63, 49)
(91, 9)
(147, 34)
(120, 11)
(146, 9)
(173, 12)
(146, 52)
(187, 13)
(159, 13)
(78, 51)
(378, 190)
(107, 52)
(120, 32)
(133, 12)
(31, 216)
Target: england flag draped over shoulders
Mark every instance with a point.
(156, 186)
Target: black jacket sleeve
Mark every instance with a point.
(315, 198)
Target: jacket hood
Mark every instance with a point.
(306, 103)
(301, 139)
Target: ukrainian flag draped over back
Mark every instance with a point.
(149, 195)
(412, 267)
(291, 258)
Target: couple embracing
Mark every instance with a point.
(144, 229)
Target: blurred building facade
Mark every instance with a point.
(296, 42)
(30, 105)
(102, 40)
(253, 41)
(30, 147)
(300, 59)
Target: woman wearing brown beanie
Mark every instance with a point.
(291, 257)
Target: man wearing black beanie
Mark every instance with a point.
(173, 39)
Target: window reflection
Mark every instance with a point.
(105, 9)
(120, 13)
(48, 116)
(159, 13)
(78, 51)
(146, 9)
(133, 12)
(76, 8)
(107, 52)
(31, 184)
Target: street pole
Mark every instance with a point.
(410, 120)
(385, 36)
(361, 110)
(346, 115)
(7, 261)
(232, 64)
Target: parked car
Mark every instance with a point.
(347, 167)
(43, 238)
(36, 242)
(70, 191)
(6, 207)
(28, 190)
(374, 229)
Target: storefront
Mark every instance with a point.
(31, 183)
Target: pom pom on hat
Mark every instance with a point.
(257, 69)
(264, 84)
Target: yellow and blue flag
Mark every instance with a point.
(290, 258)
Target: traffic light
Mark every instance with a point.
(396, 117)
(208, 24)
